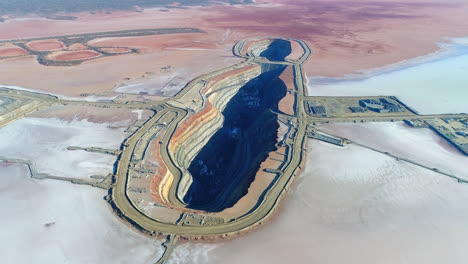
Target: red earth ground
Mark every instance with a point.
(77, 46)
(45, 45)
(345, 36)
(158, 42)
(296, 51)
(9, 50)
(74, 55)
(286, 105)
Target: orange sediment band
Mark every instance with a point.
(158, 178)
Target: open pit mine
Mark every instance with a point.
(215, 159)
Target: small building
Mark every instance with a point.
(416, 123)
(383, 105)
(316, 109)
(327, 138)
(357, 109)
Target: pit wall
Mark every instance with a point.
(252, 48)
(255, 49)
(257, 46)
(194, 132)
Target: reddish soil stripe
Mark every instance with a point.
(45, 45)
(12, 51)
(74, 55)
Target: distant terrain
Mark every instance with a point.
(53, 6)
